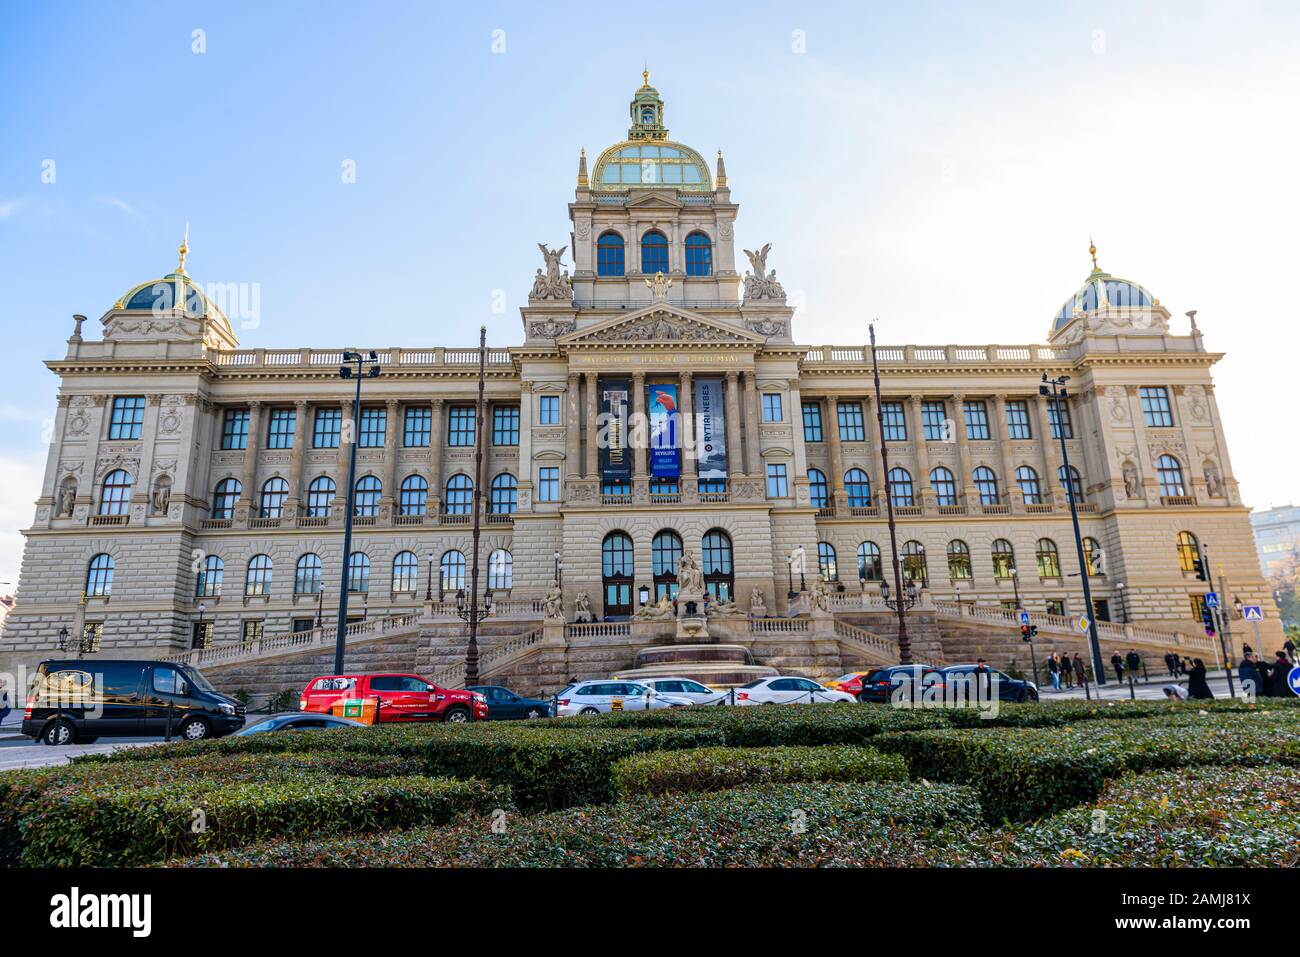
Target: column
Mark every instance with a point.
(871, 427)
(1053, 491)
(831, 429)
(436, 445)
(1005, 455)
(964, 467)
(636, 433)
(735, 462)
(796, 427)
(1150, 486)
(572, 433)
(300, 411)
(593, 448)
(685, 431)
(1230, 489)
(392, 411)
(523, 468)
(926, 495)
(248, 474)
(753, 452)
(142, 490)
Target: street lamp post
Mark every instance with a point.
(471, 650)
(789, 574)
(1123, 608)
(201, 639)
(347, 372)
(1225, 639)
(428, 588)
(1015, 586)
(1054, 390)
(320, 602)
(904, 643)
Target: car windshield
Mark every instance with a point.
(200, 680)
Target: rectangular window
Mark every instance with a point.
(812, 422)
(1056, 607)
(976, 414)
(374, 423)
(418, 424)
(325, 433)
(505, 425)
(934, 422)
(234, 429)
(548, 410)
(772, 411)
(548, 484)
(776, 481)
(1155, 406)
(128, 417)
(252, 629)
(1063, 425)
(460, 426)
(849, 415)
(895, 421)
(279, 430)
(1018, 419)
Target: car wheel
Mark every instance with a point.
(1028, 696)
(194, 729)
(533, 714)
(456, 716)
(59, 732)
(589, 710)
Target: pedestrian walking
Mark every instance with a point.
(1197, 686)
(1067, 670)
(1117, 663)
(1280, 686)
(1054, 670)
(1289, 648)
(1252, 680)
(1080, 670)
(1171, 662)
(1133, 661)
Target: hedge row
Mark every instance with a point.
(715, 769)
(763, 826)
(1025, 773)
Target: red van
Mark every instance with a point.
(402, 697)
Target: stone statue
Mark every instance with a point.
(162, 495)
(723, 607)
(821, 597)
(1130, 480)
(1213, 485)
(659, 286)
(582, 608)
(67, 498)
(759, 259)
(662, 610)
(689, 577)
(554, 284)
(761, 284)
(757, 603)
(553, 603)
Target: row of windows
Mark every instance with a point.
(372, 428)
(913, 560)
(935, 426)
(618, 567)
(412, 496)
(857, 485)
(611, 254)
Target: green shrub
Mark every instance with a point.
(714, 769)
(763, 826)
(1059, 713)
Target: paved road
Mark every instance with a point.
(17, 751)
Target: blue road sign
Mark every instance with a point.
(1252, 612)
(1293, 679)
(1024, 618)
(1212, 599)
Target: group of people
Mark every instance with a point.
(1061, 668)
(1131, 662)
(1271, 679)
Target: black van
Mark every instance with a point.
(77, 701)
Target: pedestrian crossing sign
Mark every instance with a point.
(1253, 612)
(1084, 623)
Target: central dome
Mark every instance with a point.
(647, 158)
(1100, 292)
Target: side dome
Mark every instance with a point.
(164, 293)
(1103, 291)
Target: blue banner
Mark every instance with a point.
(665, 459)
(710, 430)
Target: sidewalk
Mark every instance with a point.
(1150, 689)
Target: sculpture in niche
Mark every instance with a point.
(1131, 484)
(162, 494)
(67, 497)
(1213, 483)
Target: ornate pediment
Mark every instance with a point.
(661, 198)
(661, 323)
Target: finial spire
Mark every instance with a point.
(185, 249)
(722, 171)
(583, 182)
(645, 76)
(1092, 251)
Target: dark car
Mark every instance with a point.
(77, 701)
(505, 704)
(911, 681)
(297, 721)
(1009, 688)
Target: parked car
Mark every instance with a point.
(504, 704)
(402, 697)
(692, 691)
(1009, 688)
(76, 701)
(910, 680)
(787, 689)
(850, 683)
(297, 721)
(596, 697)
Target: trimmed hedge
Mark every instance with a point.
(1024, 773)
(1057, 713)
(714, 769)
(131, 814)
(763, 826)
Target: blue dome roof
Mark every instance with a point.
(163, 294)
(1103, 291)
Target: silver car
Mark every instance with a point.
(599, 697)
(692, 691)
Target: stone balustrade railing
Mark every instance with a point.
(290, 642)
(948, 354)
(262, 358)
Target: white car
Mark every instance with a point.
(597, 697)
(786, 689)
(693, 691)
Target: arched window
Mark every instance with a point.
(654, 253)
(274, 492)
(99, 576)
(609, 254)
(616, 567)
(1049, 559)
(699, 255)
(1092, 554)
(359, 572)
(460, 494)
(959, 566)
(320, 497)
(1027, 479)
(1189, 551)
(501, 570)
(719, 574)
(224, 498)
(258, 579)
(406, 571)
(505, 491)
(306, 574)
(869, 568)
(986, 483)
(1071, 482)
(817, 488)
(116, 495)
(413, 496)
(1004, 559)
(452, 570)
(827, 567)
(900, 488)
(665, 553)
(945, 487)
(1171, 476)
(369, 489)
(858, 486)
(207, 581)
(914, 567)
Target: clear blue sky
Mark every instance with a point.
(938, 165)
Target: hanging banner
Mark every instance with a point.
(615, 457)
(710, 429)
(664, 458)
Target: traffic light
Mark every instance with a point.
(1207, 617)
(1198, 566)
(1026, 632)
(1033, 631)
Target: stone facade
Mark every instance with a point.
(160, 394)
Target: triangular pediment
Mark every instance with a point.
(661, 323)
(654, 197)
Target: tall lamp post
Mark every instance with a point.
(471, 650)
(1054, 390)
(428, 588)
(200, 637)
(901, 605)
(366, 366)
